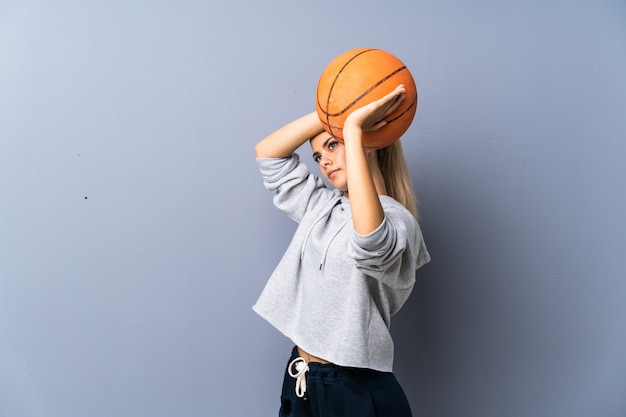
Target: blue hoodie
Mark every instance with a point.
(334, 291)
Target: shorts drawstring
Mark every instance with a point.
(301, 367)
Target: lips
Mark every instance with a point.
(331, 173)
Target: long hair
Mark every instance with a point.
(395, 171)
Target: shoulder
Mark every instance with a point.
(392, 207)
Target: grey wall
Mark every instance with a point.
(135, 233)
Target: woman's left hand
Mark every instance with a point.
(371, 116)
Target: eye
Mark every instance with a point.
(317, 158)
(332, 144)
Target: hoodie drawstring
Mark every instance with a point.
(322, 216)
(331, 240)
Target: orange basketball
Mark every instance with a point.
(358, 77)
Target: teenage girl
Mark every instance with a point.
(349, 267)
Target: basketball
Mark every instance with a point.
(358, 77)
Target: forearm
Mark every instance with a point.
(284, 141)
(367, 212)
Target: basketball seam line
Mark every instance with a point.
(369, 90)
(332, 86)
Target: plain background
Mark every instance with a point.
(135, 233)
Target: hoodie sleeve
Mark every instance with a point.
(294, 186)
(394, 251)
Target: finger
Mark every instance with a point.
(399, 90)
(390, 106)
(378, 125)
(396, 102)
(395, 97)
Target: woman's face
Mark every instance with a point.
(329, 154)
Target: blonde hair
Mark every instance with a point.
(395, 171)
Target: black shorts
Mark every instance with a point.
(335, 391)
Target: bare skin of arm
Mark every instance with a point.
(284, 141)
(365, 182)
(367, 212)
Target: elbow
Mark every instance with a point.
(265, 149)
(259, 150)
